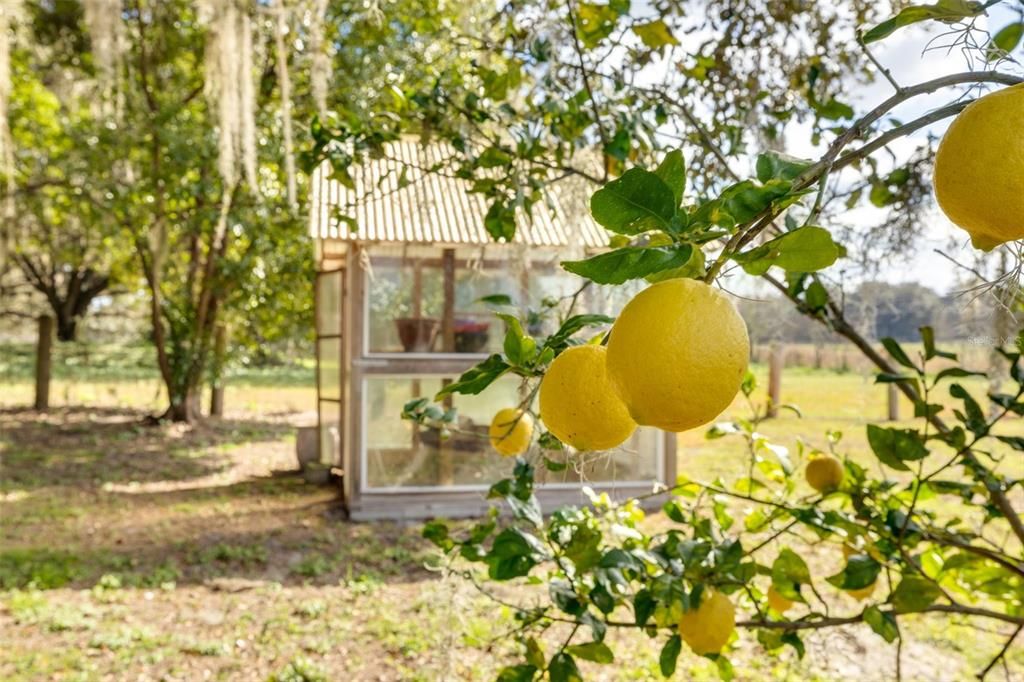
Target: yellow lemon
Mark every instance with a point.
(708, 627)
(863, 593)
(824, 473)
(577, 402)
(778, 602)
(511, 431)
(979, 169)
(677, 354)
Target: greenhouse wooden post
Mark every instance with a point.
(44, 347)
(446, 462)
(775, 360)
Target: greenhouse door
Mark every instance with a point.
(330, 366)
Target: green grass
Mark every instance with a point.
(114, 363)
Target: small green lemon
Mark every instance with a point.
(511, 431)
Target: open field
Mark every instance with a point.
(133, 552)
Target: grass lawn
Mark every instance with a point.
(131, 552)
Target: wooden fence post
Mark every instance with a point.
(775, 361)
(44, 347)
(220, 346)
(893, 403)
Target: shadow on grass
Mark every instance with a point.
(89, 447)
(280, 531)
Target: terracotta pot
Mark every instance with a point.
(417, 334)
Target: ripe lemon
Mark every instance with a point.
(778, 602)
(677, 354)
(707, 628)
(824, 473)
(577, 402)
(511, 431)
(863, 593)
(979, 169)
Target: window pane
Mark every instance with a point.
(328, 312)
(329, 368)
(406, 300)
(330, 433)
(400, 454)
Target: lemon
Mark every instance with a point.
(577, 402)
(677, 354)
(511, 431)
(778, 602)
(863, 593)
(708, 627)
(824, 473)
(979, 169)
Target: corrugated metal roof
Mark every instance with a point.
(439, 209)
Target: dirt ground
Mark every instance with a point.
(171, 553)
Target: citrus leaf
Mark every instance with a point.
(672, 171)
(598, 652)
(893, 447)
(860, 571)
(914, 593)
(669, 655)
(789, 572)
(476, 378)
(773, 165)
(1005, 41)
(632, 262)
(944, 10)
(637, 202)
(563, 669)
(883, 623)
(805, 249)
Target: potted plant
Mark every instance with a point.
(417, 334)
(471, 336)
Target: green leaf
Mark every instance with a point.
(563, 669)
(598, 652)
(643, 606)
(897, 353)
(1006, 41)
(496, 300)
(806, 249)
(517, 673)
(500, 221)
(595, 22)
(493, 157)
(669, 655)
(893, 447)
(860, 571)
(655, 34)
(672, 171)
(789, 572)
(637, 202)
(693, 268)
(573, 325)
(520, 348)
(944, 10)
(883, 623)
(914, 593)
(773, 165)
(477, 378)
(582, 548)
(632, 262)
(513, 554)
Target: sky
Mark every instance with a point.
(903, 54)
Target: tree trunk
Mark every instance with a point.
(67, 328)
(183, 406)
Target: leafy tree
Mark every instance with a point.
(64, 244)
(525, 117)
